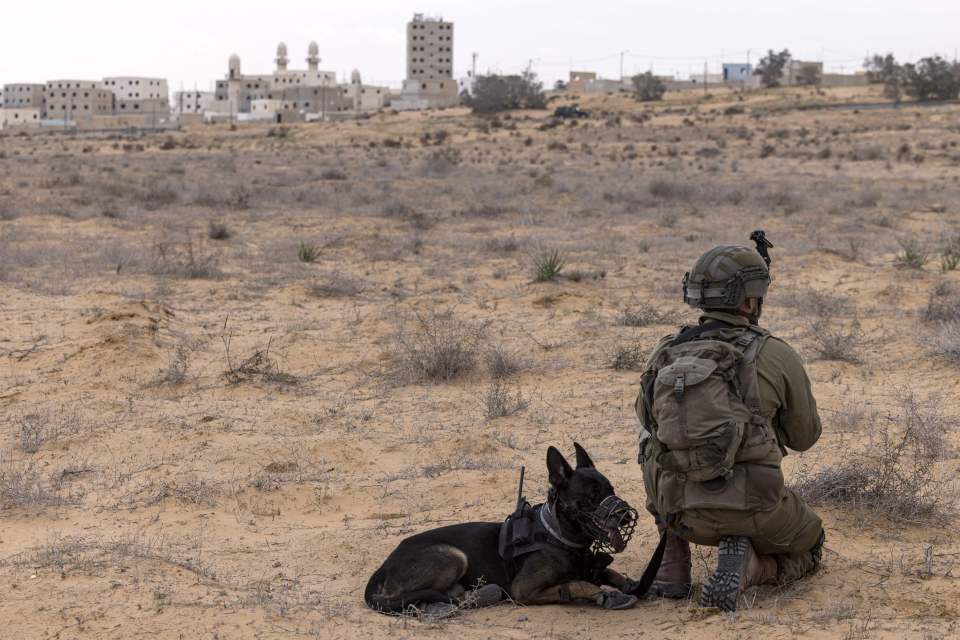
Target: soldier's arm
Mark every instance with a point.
(796, 421)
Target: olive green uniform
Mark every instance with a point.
(790, 530)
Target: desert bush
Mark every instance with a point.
(944, 303)
(886, 71)
(442, 161)
(493, 93)
(438, 348)
(278, 132)
(913, 254)
(896, 473)
(260, 366)
(950, 254)
(648, 87)
(646, 316)
(183, 260)
(175, 373)
(38, 428)
(668, 189)
(499, 402)
(157, 195)
(630, 357)
(835, 339)
(218, 231)
(947, 343)
(547, 265)
(308, 252)
(337, 285)
(23, 486)
(333, 174)
(502, 363)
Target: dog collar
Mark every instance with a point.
(546, 516)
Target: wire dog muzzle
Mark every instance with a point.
(611, 525)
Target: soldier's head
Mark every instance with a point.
(728, 278)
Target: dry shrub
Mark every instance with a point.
(944, 303)
(647, 316)
(630, 357)
(499, 402)
(947, 343)
(438, 347)
(258, 366)
(337, 285)
(897, 473)
(41, 427)
(840, 340)
(502, 363)
(183, 260)
(22, 485)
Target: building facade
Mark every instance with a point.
(430, 82)
(23, 96)
(20, 118)
(69, 99)
(737, 72)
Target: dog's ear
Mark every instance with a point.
(558, 469)
(583, 460)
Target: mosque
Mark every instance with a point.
(286, 95)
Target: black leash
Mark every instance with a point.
(646, 581)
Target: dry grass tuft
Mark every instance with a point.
(438, 348)
(499, 402)
(896, 473)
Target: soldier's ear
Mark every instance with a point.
(583, 460)
(558, 469)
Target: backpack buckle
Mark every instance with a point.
(679, 386)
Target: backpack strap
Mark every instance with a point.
(688, 334)
(750, 343)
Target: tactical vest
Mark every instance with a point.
(713, 446)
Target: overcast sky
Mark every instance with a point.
(188, 42)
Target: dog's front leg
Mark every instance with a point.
(560, 593)
(615, 579)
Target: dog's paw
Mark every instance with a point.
(439, 610)
(615, 600)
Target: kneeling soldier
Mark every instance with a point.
(720, 403)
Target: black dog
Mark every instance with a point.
(551, 553)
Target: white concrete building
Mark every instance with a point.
(20, 118)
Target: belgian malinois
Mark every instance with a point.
(555, 552)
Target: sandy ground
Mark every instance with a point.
(209, 437)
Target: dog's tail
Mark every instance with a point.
(383, 603)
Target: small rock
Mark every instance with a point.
(522, 617)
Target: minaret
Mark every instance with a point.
(233, 68)
(282, 59)
(313, 56)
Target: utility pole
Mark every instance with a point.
(705, 78)
(621, 66)
(749, 69)
(473, 72)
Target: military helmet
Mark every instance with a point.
(724, 277)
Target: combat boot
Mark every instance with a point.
(738, 567)
(673, 579)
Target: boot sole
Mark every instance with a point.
(669, 590)
(723, 589)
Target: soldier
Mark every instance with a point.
(720, 403)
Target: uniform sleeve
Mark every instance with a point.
(785, 384)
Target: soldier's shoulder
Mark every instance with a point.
(779, 350)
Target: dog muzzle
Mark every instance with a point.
(611, 525)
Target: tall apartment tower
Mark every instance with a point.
(430, 82)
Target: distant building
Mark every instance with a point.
(288, 95)
(16, 118)
(68, 100)
(590, 82)
(134, 95)
(797, 70)
(430, 82)
(23, 96)
(737, 72)
(579, 79)
(193, 102)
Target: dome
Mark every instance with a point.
(313, 50)
(282, 50)
(234, 60)
(355, 77)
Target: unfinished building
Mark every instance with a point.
(430, 83)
